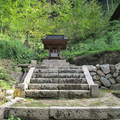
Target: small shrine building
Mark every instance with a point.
(55, 43)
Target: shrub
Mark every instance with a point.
(16, 50)
(16, 93)
(12, 118)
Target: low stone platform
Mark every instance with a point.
(63, 113)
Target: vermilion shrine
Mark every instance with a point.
(55, 43)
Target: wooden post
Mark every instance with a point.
(49, 54)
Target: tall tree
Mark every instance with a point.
(26, 16)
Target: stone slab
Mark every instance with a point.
(70, 71)
(74, 94)
(41, 93)
(26, 113)
(80, 113)
(94, 90)
(46, 71)
(72, 80)
(58, 93)
(69, 67)
(44, 80)
(44, 86)
(73, 86)
(69, 75)
(87, 75)
(2, 113)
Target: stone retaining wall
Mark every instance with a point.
(106, 76)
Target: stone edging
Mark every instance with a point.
(94, 89)
(63, 113)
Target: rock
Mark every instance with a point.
(103, 88)
(105, 68)
(116, 73)
(96, 77)
(105, 82)
(112, 68)
(112, 80)
(108, 76)
(99, 72)
(117, 66)
(98, 66)
(18, 99)
(91, 68)
(115, 87)
(18, 76)
(2, 97)
(9, 97)
(118, 79)
(9, 92)
(93, 73)
(98, 82)
(117, 94)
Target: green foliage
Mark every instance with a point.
(6, 81)
(13, 118)
(108, 40)
(16, 50)
(4, 84)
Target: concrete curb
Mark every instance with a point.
(63, 113)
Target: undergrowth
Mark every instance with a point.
(6, 81)
(16, 50)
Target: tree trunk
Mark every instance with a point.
(1, 23)
(27, 34)
(112, 5)
(108, 6)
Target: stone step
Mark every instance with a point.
(72, 80)
(46, 71)
(57, 93)
(44, 80)
(58, 86)
(58, 75)
(57, 67)
(70, 67)
(58, 71)
(70, 71)
(58, 80)
(55, 62)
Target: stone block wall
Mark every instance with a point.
(106, 76)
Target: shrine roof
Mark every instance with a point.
(54, 37)
(116, 14)
(55, 41)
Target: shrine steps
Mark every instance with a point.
(58, 79)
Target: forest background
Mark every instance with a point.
(85, 22)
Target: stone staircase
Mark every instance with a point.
(57, 79)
